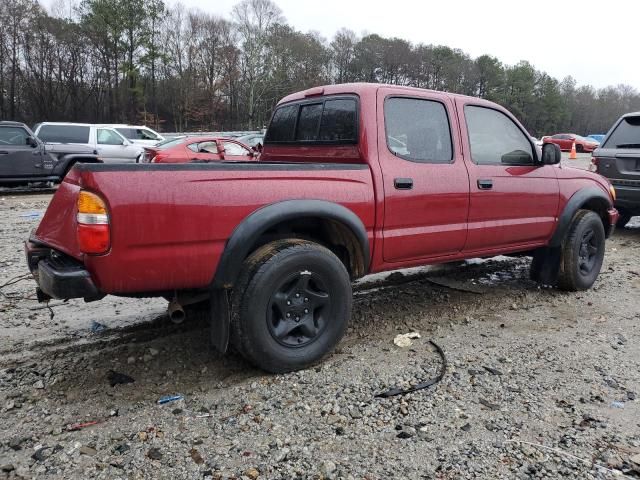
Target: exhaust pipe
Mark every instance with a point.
(176, 312)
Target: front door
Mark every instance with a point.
(514, 199)
(426, 185)
(17, 157)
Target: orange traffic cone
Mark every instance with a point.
(572, 155)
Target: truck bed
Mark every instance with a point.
(170, 222)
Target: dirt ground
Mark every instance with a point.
(539, 383)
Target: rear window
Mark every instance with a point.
(626, 134)
(328, 120)
(137, 133)
(64, 134)
(171, 142)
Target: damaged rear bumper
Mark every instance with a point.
(58, 275)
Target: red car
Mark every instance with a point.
(353, 179)
(188, 149)
(565, 141)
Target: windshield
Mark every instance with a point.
(625, 135)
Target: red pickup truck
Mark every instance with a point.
(353, 179)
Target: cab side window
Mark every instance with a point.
(495, 139)
(13, 136)
(418, 130)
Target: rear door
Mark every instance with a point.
(426, 185)
(514, 201)
(17, 157)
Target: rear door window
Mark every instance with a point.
(64, 134)
(626, 134)
(418, 130)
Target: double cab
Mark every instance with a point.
(353, 179)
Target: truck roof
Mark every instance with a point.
(363, 88)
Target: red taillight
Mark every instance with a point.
(93, 239)
(158, 158)
(94, 236)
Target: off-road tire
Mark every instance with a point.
(271, 278)
(582, 252)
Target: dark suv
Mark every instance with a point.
(24, 158)
(618, 159)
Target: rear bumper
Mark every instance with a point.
(58, 275)
(627, 195)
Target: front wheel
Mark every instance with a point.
(290, 306)
(582, 252)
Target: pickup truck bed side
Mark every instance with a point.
(175, 237)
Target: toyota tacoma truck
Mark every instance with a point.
(25, 159)
(353, 179)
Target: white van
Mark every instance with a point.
(106, 142)
(140, 135)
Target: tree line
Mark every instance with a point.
(178, 69)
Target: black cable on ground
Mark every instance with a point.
(428, 383)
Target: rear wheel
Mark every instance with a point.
(291, 305)
(582, 252)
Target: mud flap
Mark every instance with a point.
(545, 266)
(220, 319)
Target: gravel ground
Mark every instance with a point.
(539, 383)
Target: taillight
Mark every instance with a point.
(593, 166)
(94, 235)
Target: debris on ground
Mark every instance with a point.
(169, 399)
(405, 340)
(422, 385)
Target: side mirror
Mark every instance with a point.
(32, 142)
(551, 154)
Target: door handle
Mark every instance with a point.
(4, 153)
(403, 183)
(485, 184)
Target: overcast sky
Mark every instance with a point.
(594, 41)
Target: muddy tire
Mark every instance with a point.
(582, 252)
(290, 306)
